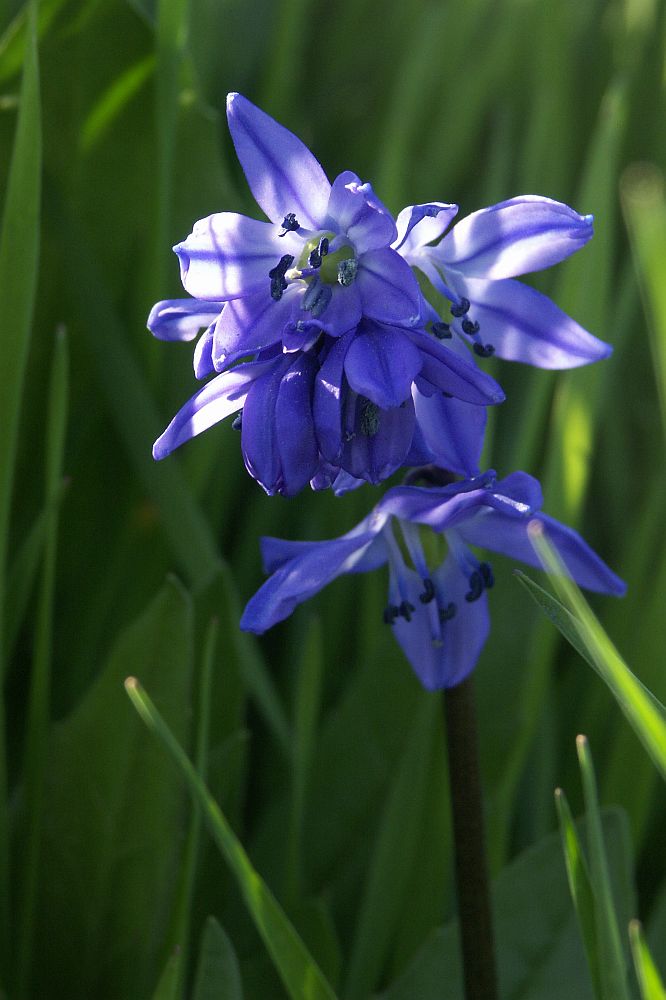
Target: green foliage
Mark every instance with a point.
(325, 758)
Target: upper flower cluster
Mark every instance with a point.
(315, 326)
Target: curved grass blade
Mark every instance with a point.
(218, 975)
(579, 625)
(299, 972)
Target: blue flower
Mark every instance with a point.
(473, 267)
(439, 615)
(317, 331)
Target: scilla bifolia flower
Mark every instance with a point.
(437, 609)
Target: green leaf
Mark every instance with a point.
(112, 817)
(393, 856)
(580, 887)
(538, 946)
(299, 972)
(644, 712)
(218, 975)
(649, 980)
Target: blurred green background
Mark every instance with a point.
(325, 755)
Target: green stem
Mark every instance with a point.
(476, 927)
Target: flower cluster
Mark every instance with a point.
(347, 345)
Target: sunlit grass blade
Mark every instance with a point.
(612, 966)
(641, 708)
(19, 258)
(644, 204)
(40, 678)
(580, 887)
(300, 974)
(13, 48)
(649, 980)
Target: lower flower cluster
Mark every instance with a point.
(346, 345)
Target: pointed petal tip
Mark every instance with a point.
(159, 450)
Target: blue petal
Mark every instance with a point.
(524, 325)
(376, 456)
(418, 225)
(301, 577)
(443, 655)
(228, 255)
(514, 237)
(354, 209)
(452, 431)
(181, 319)
(203, 354)
(328, 400)
(282, 173)
(509, 535)
(258, 432)
(389, 291)
(381, 364)
(250, 324)
(294, 425)
(216, 400)
(452, 373)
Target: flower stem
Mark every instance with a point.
(476, 928)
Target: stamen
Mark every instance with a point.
(391, 612)
(369, 417)
(486, 571)
(406, 610)
(442, 331)
(483, 350)
(475, 587)
(459, 309)
(237, 423)
(316, 298)
(428, 592)
(277, 276)
(469, 327)
(347, 271)
(316, 255)
(447, 613)
(289, 224)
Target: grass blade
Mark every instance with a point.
(580, 887)
(300, 974)
(649, 980)
(612, 966)
(641, 708)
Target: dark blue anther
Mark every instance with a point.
(483, 350)
(486, 571)
(447, 613)
(370, 418)
(459, 309)
(391, 612)
(237, 423)
(276, 274)
(318, 254)
(475, 587)
(428, 591)
(469, 327)
(406, 610)
(442, 331)
(347, 271)
(289, 224)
